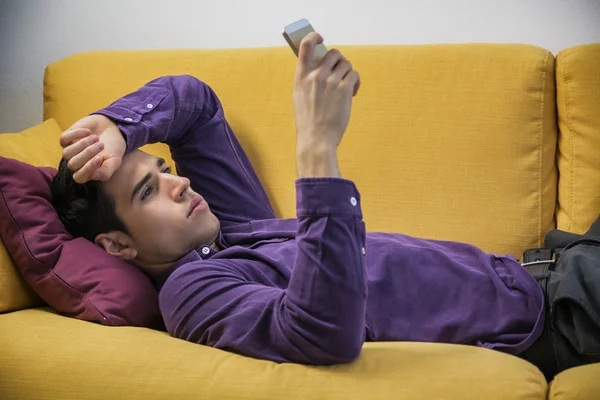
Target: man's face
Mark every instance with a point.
(158, 210)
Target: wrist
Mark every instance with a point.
(317, 161)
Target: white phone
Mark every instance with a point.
(296, 31)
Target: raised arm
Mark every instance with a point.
(186, 114)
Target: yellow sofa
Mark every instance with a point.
(489, 144)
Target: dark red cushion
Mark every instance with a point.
(74, 276)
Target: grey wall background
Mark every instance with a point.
(35, 33)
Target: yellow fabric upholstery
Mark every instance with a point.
(578, 98)
(38, 146)
(15, 293)
(82, 360)
(449, 142)
(579, 383)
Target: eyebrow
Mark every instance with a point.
(159, 163)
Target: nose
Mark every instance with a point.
(180, 184)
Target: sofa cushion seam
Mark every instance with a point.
(571, 148)
(541, 147)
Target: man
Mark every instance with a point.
(231, 275)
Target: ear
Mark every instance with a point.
(118, 244)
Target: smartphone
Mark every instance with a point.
(296, 31)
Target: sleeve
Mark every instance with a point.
(186, 114)
(318, 319)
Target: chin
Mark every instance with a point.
(206, 238)
(217, 226)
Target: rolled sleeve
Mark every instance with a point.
(163, 110)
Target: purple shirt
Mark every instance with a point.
(311, 290)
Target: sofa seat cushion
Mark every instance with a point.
(579, 383)
(72, 359)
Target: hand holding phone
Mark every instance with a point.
(297, 31)
(323, 94)
(324, 85)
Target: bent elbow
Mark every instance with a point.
(335, 354)
(350, 354)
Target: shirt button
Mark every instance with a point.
(149, 105)
(353, 201)
(363, 251)
(128, 119)
(205, 250)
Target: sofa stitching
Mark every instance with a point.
(571, 147)
(540, 160)
(568, 131)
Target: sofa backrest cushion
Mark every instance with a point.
(578, 98)
(452, 142)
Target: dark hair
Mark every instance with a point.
(84, 209)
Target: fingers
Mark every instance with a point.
(101, 174)
(77, 147)
(80, 159)
(97, 169)
(352, 81)
(341, 69)
(307, 49)
(331, 59)
(343, 72)
(106, 170)
(356, 85)
(71, 135)
(86, 172)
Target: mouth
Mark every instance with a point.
(197, 204)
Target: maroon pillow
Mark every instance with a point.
(74, 276)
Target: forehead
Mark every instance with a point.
(133, 168)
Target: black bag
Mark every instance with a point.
(571, 285)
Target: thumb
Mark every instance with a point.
(107, 169)
(306, 51)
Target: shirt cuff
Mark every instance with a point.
(130, 111)
(327, 196)
(127, 128)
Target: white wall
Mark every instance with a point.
(34, 33)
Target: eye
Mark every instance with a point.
(167, 170)
(147, 192)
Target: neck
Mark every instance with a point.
(154, 270)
